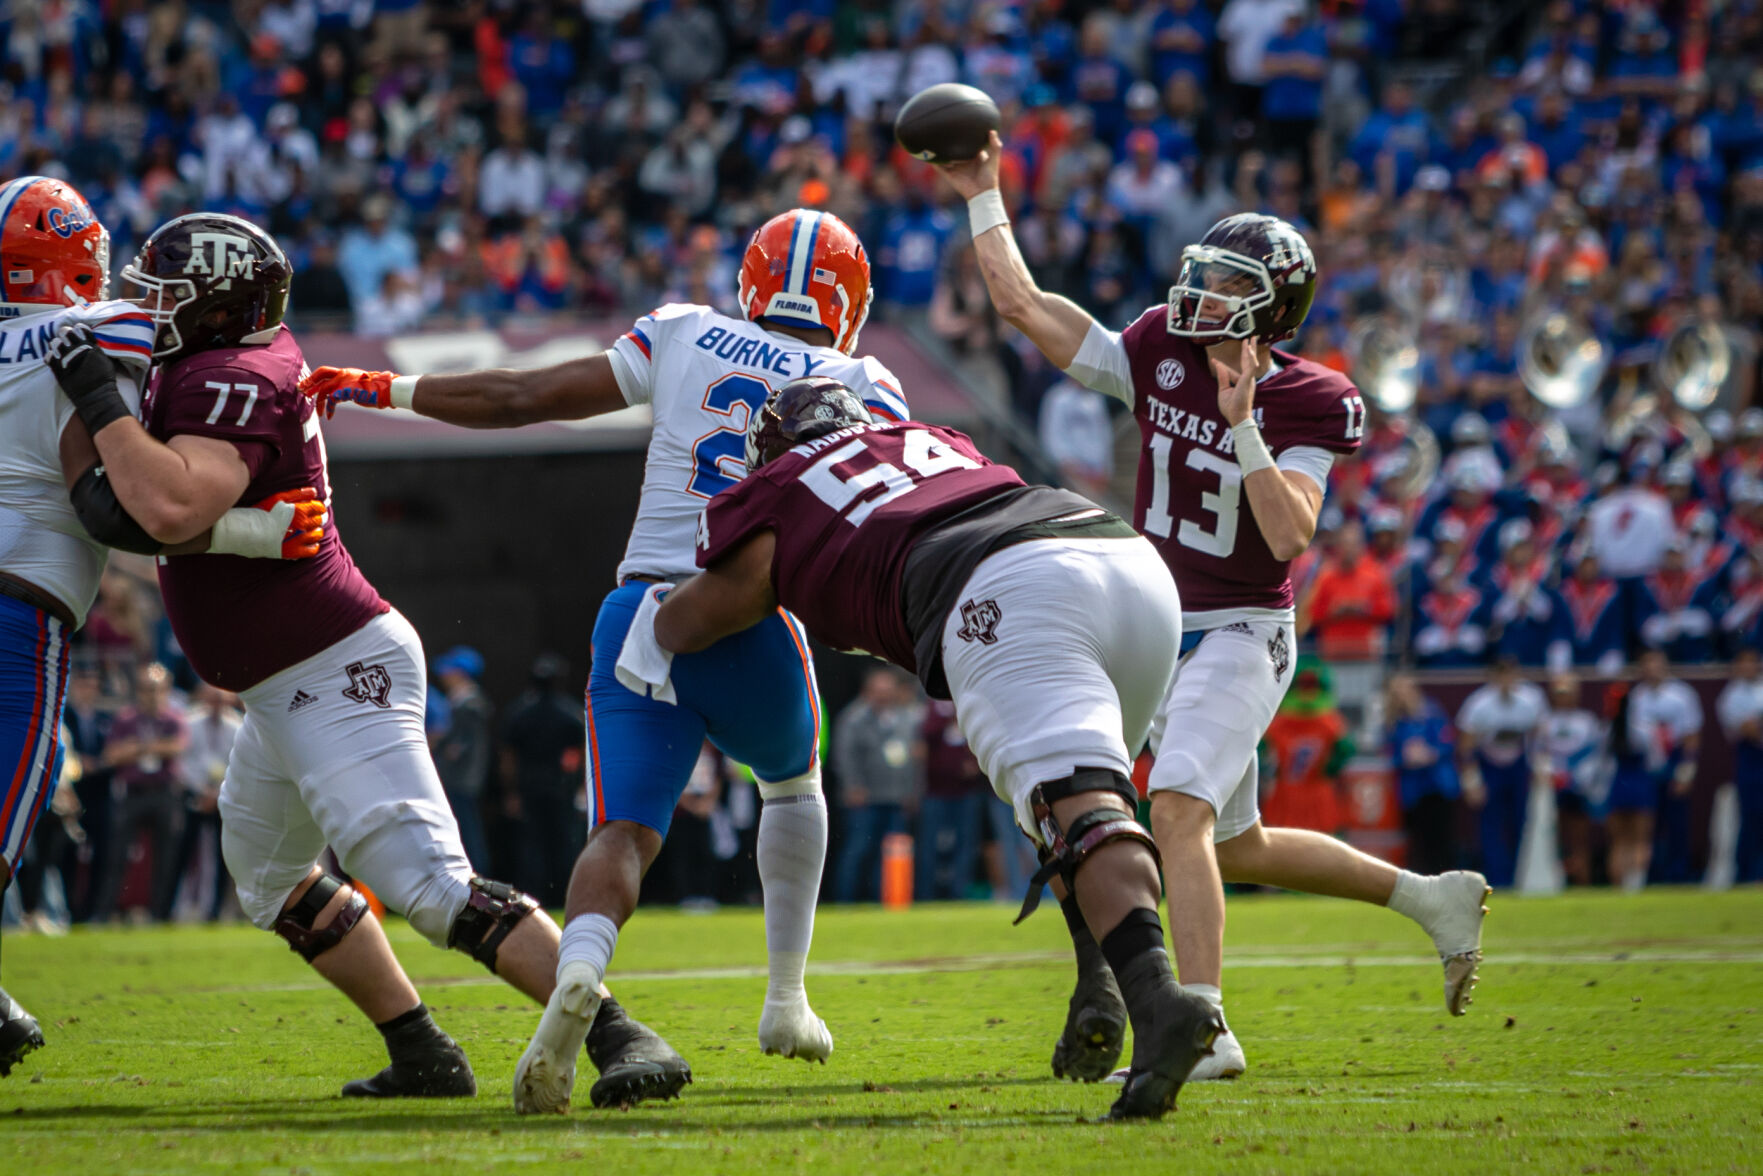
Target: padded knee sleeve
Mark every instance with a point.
(491, 913)
(805, 786)
(299, 923)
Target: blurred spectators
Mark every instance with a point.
(955, 794)
(1571, 742)
(464, 752)
(213, 726)
(1421, 747)
(1351, 602)
(1497, 731)
(1655, 726)
(1741, 716)
(543, 735)
(873, 741)
(146, 743)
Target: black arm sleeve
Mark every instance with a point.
(95, 502)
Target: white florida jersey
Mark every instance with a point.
(703, 374)
(41, 539)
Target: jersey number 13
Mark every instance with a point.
(1223, 504)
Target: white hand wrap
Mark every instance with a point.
(985, 212)
(404, 391)
(1252, 451)
(252, 533)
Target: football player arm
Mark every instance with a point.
(1286, 502)
(176, 490)
(1055, 325)
(96, 504)
(496, 398)
(732, 594)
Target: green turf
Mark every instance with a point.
(1611, 1034)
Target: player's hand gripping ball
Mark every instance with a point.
(328, 385)
(305, 513)
(948, 123)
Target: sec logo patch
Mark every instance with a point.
(1170, 373)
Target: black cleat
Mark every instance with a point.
(634, 1061)
(1182, 1030)
(1095, 1029)
(442, 1072)
(19, 1033)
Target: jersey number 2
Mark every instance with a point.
(728, 443)
(1221, 540)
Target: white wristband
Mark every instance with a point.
(404, 391)
(1252, 451)
(252, 533)
(985, 212)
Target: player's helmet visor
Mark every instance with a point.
(1217, 294)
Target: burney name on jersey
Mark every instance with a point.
(746, 351)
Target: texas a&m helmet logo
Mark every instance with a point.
(220, 255)
(369, 684)
(979, 621)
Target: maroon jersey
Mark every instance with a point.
(240, 620)
(1190, 501)
(846, 509)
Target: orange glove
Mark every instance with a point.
(305, 533)
(327, 385)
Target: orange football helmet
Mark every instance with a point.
(807, 268)
(53, 251)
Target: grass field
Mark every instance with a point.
(1610, 1034)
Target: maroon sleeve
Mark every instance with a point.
(742, 510)
(1153, 324)
(230, 404)
(1326, 411)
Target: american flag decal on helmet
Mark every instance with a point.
(825, 277)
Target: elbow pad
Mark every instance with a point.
(95, 502)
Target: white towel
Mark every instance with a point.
(643, 666)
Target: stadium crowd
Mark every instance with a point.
(435, 166)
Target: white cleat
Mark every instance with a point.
(793, 1031)
(545, 1077)
(1223, 1064)
(1457, 906)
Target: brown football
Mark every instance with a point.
(947, 123)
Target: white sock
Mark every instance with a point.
(791, 854)
(588, 939)
(1412, 895)
(1211, 994)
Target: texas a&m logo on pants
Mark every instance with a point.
(369, 684)
(979, 621)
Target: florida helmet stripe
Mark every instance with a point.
(8, 197)
(802, 252)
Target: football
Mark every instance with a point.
(946, 123)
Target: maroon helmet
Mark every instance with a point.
(211, 280)
(801, 411)
(1250, 277)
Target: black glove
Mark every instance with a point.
(87, 375)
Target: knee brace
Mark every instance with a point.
(491, 913)
(297, 923)
(1063, 850)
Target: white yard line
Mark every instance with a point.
(985, 962)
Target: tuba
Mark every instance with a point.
(1383, 357)
(1560, 360)
(1694, 361)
